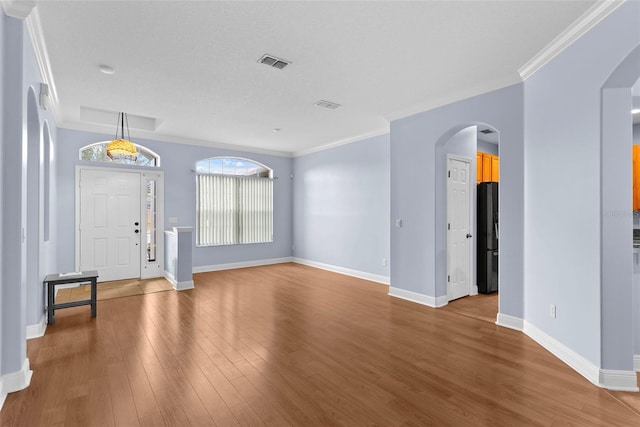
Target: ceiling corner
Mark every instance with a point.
(582, 25)
(18, 9)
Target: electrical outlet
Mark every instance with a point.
(552, 310)
(384, 262)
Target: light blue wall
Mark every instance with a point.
(177, 162)
(563, 191)
(487, 147)
(13, 285)
(418, 186)
(341, 206)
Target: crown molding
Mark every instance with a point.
(34, 28)
(342, 142)
(18, 9)
(582, 25)
(152, 136)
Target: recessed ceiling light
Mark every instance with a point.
(277, 129)
(635, 111)
(106, 69)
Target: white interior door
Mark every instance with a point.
(458, 228)
(110, 223)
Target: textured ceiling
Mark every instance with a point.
(192, 66)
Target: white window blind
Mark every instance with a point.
(233, 210)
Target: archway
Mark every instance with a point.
(31, 216)
(461, 140)
(616, 188)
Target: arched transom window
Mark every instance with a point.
(234, 202)
(98, 153)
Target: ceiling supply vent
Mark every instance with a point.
(487, 131)
(328, 105)
(274, 62)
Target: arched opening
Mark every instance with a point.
(31, 216)
(619, 293)
(462, 145)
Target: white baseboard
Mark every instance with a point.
(510, 322)
(15, 381)
(346, 271)
(605, 378)
(178, 286)
(429, 301)
(37, 330)
(636, 362)
(243, 264)
(618, 380)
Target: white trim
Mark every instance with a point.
(582, 25)
(429, 301)
(346, 141)
(636, 362)
(243, 264)
(142, 134)
(15, 381)
(18, 9)
(510, 322)
(37, 330)
(618, 380)
(346, 271)
(178, 286)
(605, 378)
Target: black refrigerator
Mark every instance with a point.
(487, 266)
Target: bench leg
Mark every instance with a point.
(94, 303)
(50, 299)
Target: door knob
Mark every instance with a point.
(136, 223)
(137, 231)
(469, 236)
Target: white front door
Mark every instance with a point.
(458, 228)
(110, 223)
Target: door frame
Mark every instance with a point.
(147, 269)
(473, 288)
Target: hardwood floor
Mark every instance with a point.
(292, 345)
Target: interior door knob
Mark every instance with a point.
(469, 236)
(137, 231)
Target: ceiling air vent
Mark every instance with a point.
(487, 131)
(274, 62)
(326, 104)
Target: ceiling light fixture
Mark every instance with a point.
(635, 111)
(121, 149)
(105, 69)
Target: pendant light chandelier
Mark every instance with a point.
(122, 149)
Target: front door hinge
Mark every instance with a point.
(449, 174)
(448, 226)
(448, 278)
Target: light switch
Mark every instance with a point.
(398, 223)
